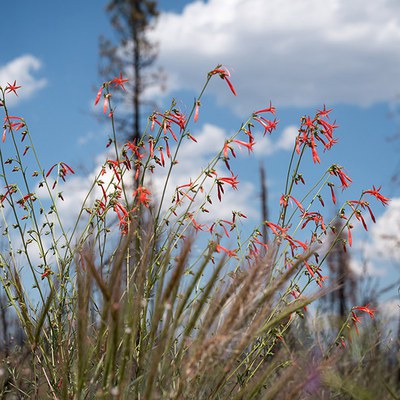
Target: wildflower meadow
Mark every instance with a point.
(147, 295)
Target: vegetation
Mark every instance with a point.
(145, 297)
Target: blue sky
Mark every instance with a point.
(300, 55)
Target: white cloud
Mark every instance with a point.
(364, 268)
(390, 309)
(294, 52)
(21, 70)
(385, 234)
(283, 141)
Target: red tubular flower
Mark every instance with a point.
(229, 253)
(25, 198)
(222, 224)
(232, 180)
(365, 309)
(224, 74)
(11, 126)
(308, 123)
(12, 88)
(338, 171)
(123, 217)
(375, 192)
(230, 86)
(331, 185)
(63, 170)
(356, 319)
(167, 147)
(313, 216)
(197, 227)
(370, 212)
(328, 128)
(119, 82)
(268, 125)
(227, 148)
(259, 242)
(106, 103)
(249, 146)
(350, 238)
(114, 165)
(324, 112)
(141, 195)
(196, 111)
(269, 109)
(98, 95)
(276, 229)
(46, 272)
(162, 156)
(151, 148)
(315, 155)
(361, 218)
(364, 205)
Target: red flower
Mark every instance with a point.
(8, 124)
(331, 185)
(123, 217)
(230, 253)
(338, 171)
(315, 155)
(268, 125)
(119, 81)
(106, 103)
(270, 109)
(350, 238)
(12, 88)
(284, 201)
(232, 180)
(249, 146)
(63, 170)
(196, 111)
(313, 216)
(98, 95)
(47, 272)
(141, 194)
(324, 112)
(224, 74)
(309, 123)
(365, 309)
(275, 228)
(197, 227)
(375, 192)
(229, 180)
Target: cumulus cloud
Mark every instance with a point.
(385, 234)
(284, 142)
(22, 70)
(296, 53)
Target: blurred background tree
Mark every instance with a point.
(133, 55)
